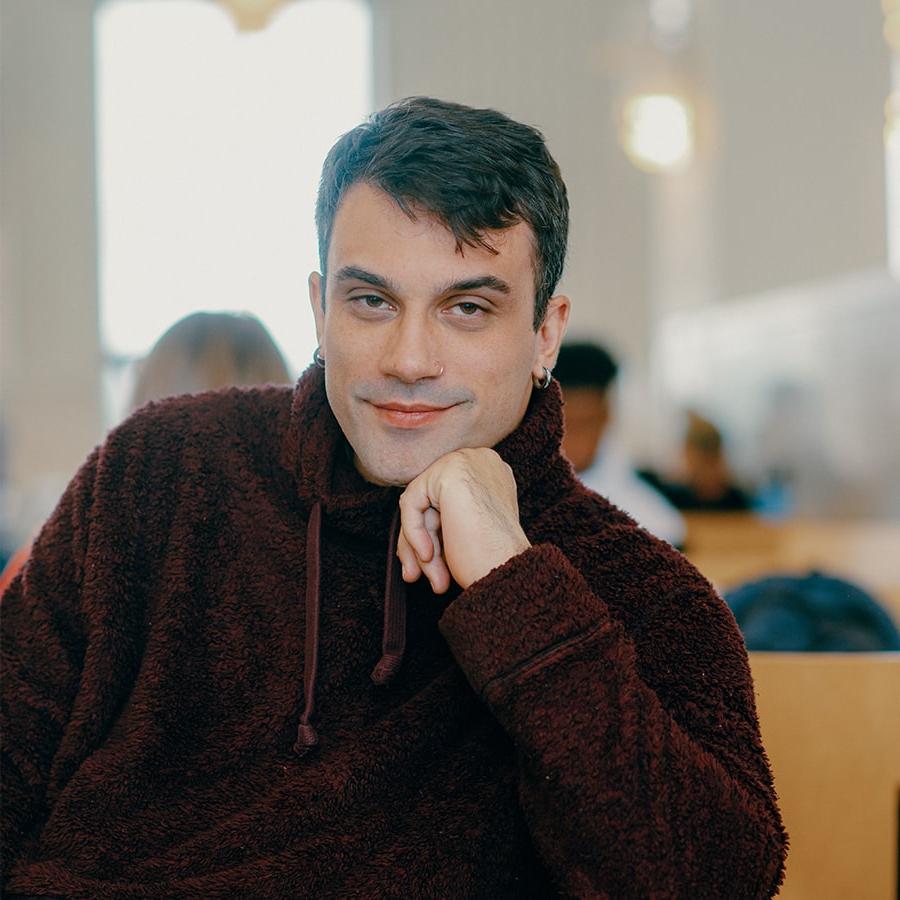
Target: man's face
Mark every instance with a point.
(427, 350)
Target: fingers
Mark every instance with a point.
(435, 569)
(460, 519)
(419, 545)
(414, 504)
(432, 520)
(408, 559)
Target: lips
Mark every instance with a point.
(399, 415)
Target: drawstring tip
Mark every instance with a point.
(387, 668)
(306, 738)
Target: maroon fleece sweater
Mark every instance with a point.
(579, 721)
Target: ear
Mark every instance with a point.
(317, 301)
(551, 333)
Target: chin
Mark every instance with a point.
(393, 473)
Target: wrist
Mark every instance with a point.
(514, 546)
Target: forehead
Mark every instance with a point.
(372, 231)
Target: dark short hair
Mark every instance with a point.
(584, 364)
(475, 169)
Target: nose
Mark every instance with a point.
(411, 352)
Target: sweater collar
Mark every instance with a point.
(317, 452)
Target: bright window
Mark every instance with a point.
(210, 144)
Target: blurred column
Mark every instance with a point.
(49, 343)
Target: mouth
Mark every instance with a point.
(401, 415)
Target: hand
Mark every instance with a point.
(459, 519)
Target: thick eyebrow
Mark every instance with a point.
(356, 273)
(473, 284)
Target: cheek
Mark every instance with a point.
(346, 350)
(504, 388)
(506, 358)
(508, 372)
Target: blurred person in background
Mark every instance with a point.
(705, 481)
(587, 375)
(204, 351)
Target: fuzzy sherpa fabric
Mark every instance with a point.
(578, 722)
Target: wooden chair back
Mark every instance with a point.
(831, 726)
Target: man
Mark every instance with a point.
(560, 703)
(586, 373)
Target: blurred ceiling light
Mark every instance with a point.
(251, 15)
(657, 132)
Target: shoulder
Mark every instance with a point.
(582, 520)
(681, 626)
(647, 584)
(647, 506)
(211, 411)
(232, 415)
(198, 435)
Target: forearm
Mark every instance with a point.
(621, 797)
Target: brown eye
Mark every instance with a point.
(364, 304)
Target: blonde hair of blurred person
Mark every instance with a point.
(203, 351)
(209, 350)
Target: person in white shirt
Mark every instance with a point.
(587, 372)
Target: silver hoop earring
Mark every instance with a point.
(544, 383)
(318, 359)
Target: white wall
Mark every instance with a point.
(49, 345)
(799, 96)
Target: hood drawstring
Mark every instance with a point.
(393, 643)
(306, 734)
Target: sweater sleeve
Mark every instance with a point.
(42, 654)
(625, 795)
